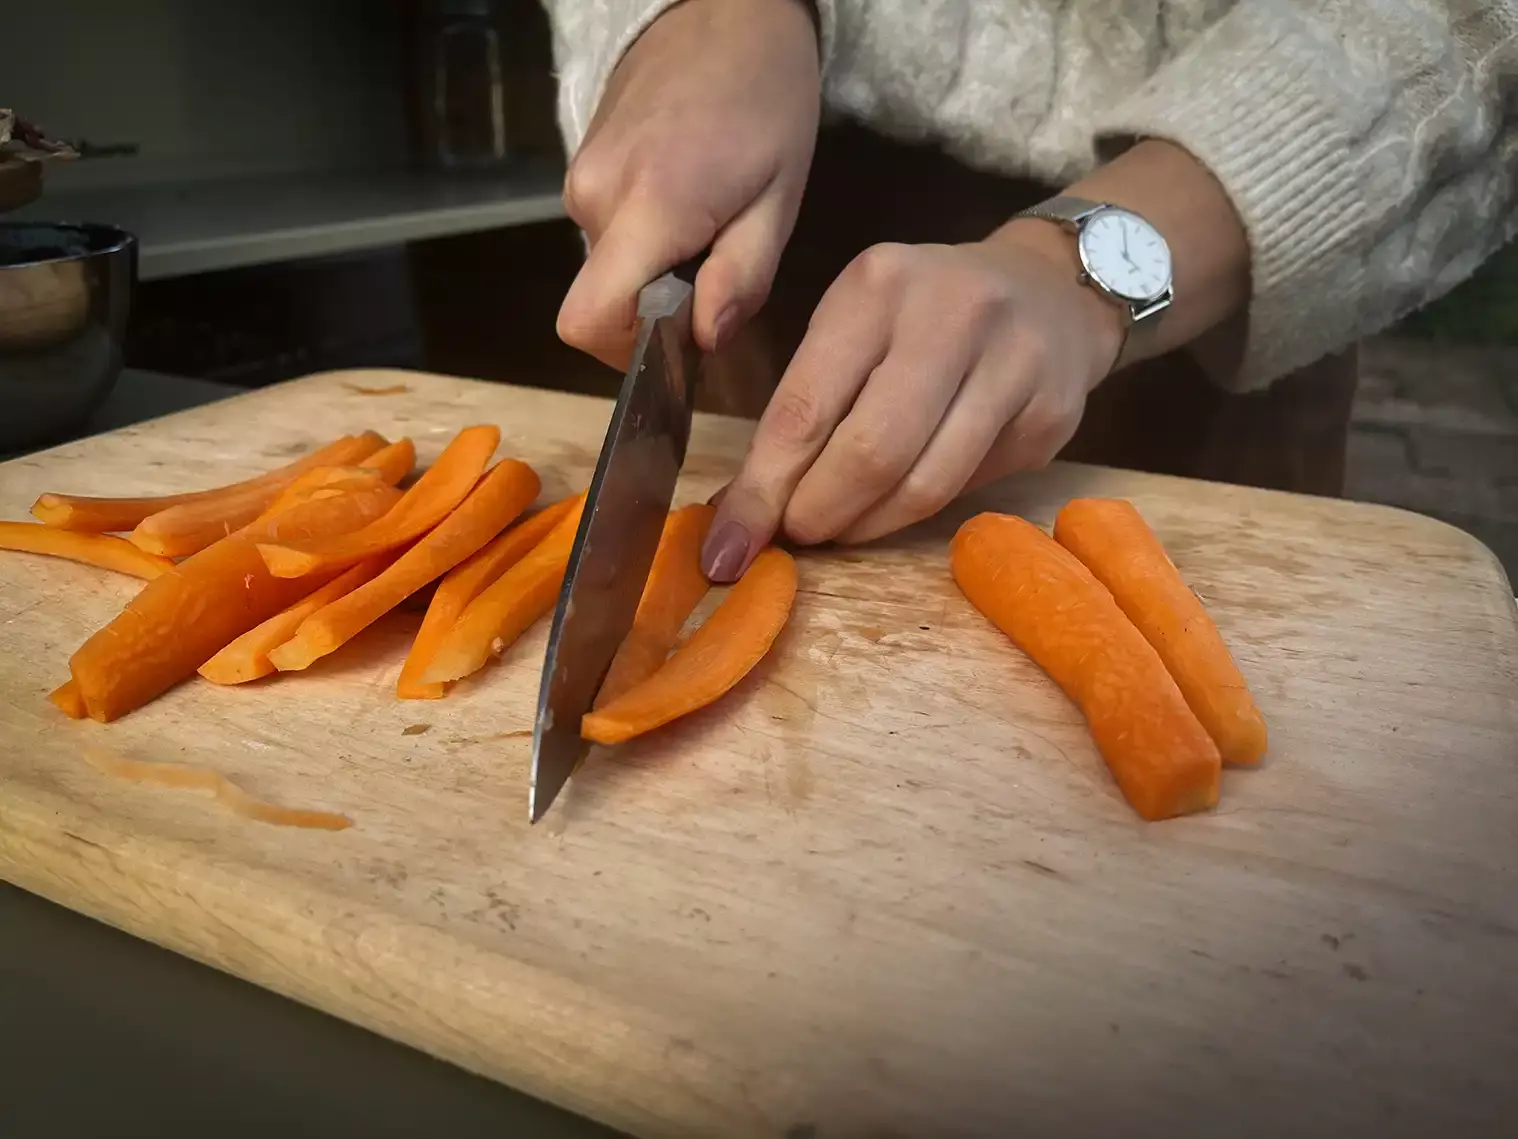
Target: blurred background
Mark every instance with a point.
(337, 183)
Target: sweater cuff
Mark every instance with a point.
(597, 40)
(1249, 101)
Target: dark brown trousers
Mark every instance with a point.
(1162, 415)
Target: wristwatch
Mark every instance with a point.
(1122, 256)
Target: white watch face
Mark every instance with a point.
(1125, 254)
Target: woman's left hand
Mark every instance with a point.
(926, 370)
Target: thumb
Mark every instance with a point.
(735, 280)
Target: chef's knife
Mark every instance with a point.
(623, 517)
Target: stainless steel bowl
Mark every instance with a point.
(65, 294)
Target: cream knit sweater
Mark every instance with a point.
(1370, 146)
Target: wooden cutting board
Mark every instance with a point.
(887, 887)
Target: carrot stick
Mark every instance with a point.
(461, 585)
(718, 655)
(192, 526)
(103, 550)
(69, 700)
(1047, 602)
(247, 658)
(1123, 553)
(76, 512)
(427, 503)
(675, 587)
(321, 482)
(184, 617)
(504, 492)
(506, 608)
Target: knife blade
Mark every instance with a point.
(620, 525)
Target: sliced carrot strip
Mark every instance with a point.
(69, 700)
(717, 656)
(184, 617)
(103, 550)
(77, 512)
(192, 526)
(675, 587)
(321, 482)
(229, 794)
(427, 503)
(1111, 537)
(505, 491)
(461, 585)
(1041, 596)
(506, 608)
(247, 658)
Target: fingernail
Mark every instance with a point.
(725, 325)
(725, 552)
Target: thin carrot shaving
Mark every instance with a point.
(461, 585)
(69, 700)
(79, 512)
(674, 588)
(103, 550)
(717, 656)
(505, 609)
(428, 502)
(228, 794)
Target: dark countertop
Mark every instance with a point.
(104, 1033)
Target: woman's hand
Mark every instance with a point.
(926, 370)
(704, 136)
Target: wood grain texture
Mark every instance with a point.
(886, 887)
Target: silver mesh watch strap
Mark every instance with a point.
(1067, 210)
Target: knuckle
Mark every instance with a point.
(794, 418)
(870, 460)
(883, 266)
(587, 189)
(922, 496)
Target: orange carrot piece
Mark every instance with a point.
(184, 617)
(461, 585)
(103, 550)
(192, 526)
(247, 658)
(505, 491)
(321, 482)
(428, 502)
(76, 512)
(506, 608)
(717, 656)
(1041, 596)
(1111, 537)
(69, 700)
(228, 794)
(675, 587)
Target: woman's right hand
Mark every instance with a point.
(704, 137)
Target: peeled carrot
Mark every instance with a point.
(192, 526)
(247, 658)
(76, 512)
(1111, 537)
(428, 502)
(103, 550)
(718, 655)
(506, 608)
(461, 585)
(69, 700)
(184, 617)
(1049, 604)
(505, 491)
(321, 482)
(674, 588)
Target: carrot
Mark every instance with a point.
(427, 503)
(1123, 553)
(247, 658)
(507, 490)
(192, 526)
(76, 512)
(675, 587)
(1049, 604)
(506, 608)
(184, 617)
(69, 700)
(103, 550)
(718, 655)
(229, 794)
(321, 482)
(461, 585)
